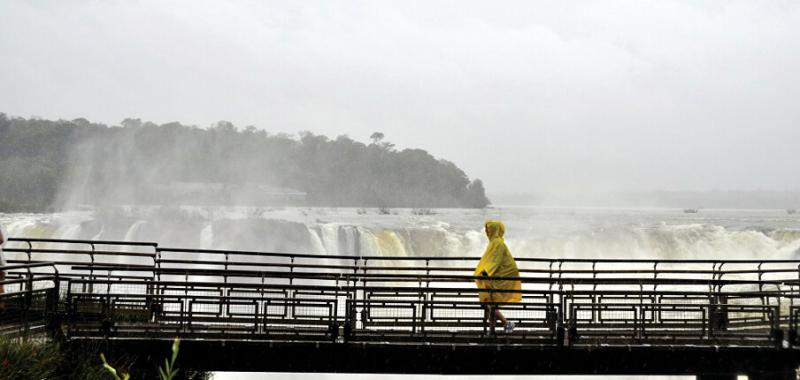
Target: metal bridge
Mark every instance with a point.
(261, 311)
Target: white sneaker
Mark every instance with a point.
(509, 327)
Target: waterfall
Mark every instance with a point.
(458, 233)
(99, 234)
(316, 243)
(329, 235)
(133, 231)
(68, 231)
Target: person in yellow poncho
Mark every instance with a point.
(497, 262)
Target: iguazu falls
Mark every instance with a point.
(533, 232)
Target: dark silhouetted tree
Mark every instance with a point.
(376, 137)
(135, 162)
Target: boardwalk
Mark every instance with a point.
(372, 314)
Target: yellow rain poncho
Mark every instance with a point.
(497, 262)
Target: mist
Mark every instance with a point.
(530, 97)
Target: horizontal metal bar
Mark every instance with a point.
(28, 280)
(465, 258)
(451, 269)
(199, 285)
(37, 264)
(463, 278)
(81, 252)
(77, 241)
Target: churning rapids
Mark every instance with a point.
(531, 232)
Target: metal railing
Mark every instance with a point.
(29, 298)
(141, 290)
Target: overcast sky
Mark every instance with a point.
(529, 96)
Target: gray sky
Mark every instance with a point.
(530, 95)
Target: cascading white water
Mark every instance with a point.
(133, 231)
(349, 241)
(531, 233)
(21, 226)
(69, 231)
(99, 235)
(329, 235)
(316, 243)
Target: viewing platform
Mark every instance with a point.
(294, 312)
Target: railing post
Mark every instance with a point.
(29, 282)
(154, 290)
(225, 277)
(595, 298)
(91, 268)
(710, 309)
(29, 250)
(420, 301)
(349, 319)
(157, 264)
(52, 316)
(413, 319)
(710, 318)
(356, 267)
(364, 270)
(655, 275)
(52, 297)
(492, 319)
(561, 299)
(27, 301)
(641, 311)
(776, 331)
(722, 300)
(425, 297)
(561, 313)
(793, 323)
(291, 270)
(572, 330)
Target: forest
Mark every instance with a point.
(48, 165)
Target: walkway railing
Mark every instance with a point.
(141, 290)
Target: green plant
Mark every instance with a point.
(25, 358)
(168, 372)
(39, 358)
(113, 371)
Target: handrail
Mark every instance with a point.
(79, 252)
(472, 258)
(355, 257)
(200, 285)
(36, 264)
(347, 273)
(47, 277)
(80, 241)
(439, 278)
(429, 269)
(73, 263)
(454, 269)
(364, 273)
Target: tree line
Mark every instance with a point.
(46, 164)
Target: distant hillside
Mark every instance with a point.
(46, 164)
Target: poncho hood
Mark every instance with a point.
(494, 229)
